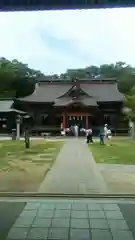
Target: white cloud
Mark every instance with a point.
(98, 36)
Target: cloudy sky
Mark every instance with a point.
(53, 41)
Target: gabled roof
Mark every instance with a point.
(5, 105)
(47, 92)
(65, 101)
(102, 91)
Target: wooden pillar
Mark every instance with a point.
(64, 121)
(87, 122)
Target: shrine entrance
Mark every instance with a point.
(80, 119)
(76, 120)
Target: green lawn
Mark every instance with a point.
(121, 152)
(24, 169)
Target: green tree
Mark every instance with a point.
(7, 76)
(124, 73)
(17, 79)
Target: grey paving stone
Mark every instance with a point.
(18, 233)
(62, 214)
(32, 206)
(9, 212)
(114, 214)
(96, 214)
(79, 223)
(58, 233)
(47, 206)
(29, 213)
(85, 179)
(94, 206)
(98, 224)
(38, 233)
(24, 222)
(116, 224)
(41, 222)
(101, 235)
(111, 207)
(45, 213)
(79, 234)
(79, 214)
(128, 210)
(63, 206)
(122, 235)
(60, 222)
(79, 206)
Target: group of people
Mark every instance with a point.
(104, 133)
(74, 129)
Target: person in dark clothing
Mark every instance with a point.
(89, 136)
(101, 137)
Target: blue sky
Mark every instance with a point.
(53, 41)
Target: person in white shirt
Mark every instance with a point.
(76, 128)
(109, 137)
(109, 134)
(63, 132)
(89, 135)
(105, 130)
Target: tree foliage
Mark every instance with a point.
(124, 74)
(130, 104)
(18, 80)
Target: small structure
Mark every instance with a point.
(9, 117)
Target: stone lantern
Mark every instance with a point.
(18, 123)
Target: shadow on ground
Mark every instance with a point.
(9, 211)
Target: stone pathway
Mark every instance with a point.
(74, 171)
(120, 167)
(83, 219)
(119, 178)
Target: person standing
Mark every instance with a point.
(105, 130)
(89, 135)
(101, 136)
(61, 126)
(76, 130)
(72, 130)
(109, 136)
(109, 133)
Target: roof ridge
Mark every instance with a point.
(63, 81)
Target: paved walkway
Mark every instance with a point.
(74, 171)
(72, 220)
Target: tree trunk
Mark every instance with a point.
(27, 144)
(27, 140)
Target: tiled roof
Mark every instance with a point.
(5, 105)
(104, 92)
(101, 91)
(47, 92)
(64, 101)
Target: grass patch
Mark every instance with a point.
(120, 152)
(24, 169)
